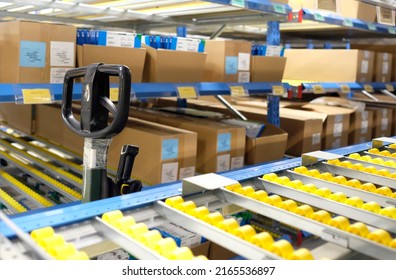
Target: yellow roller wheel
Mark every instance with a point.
(340, 180)
(228, 225)
(270, 177)
(295, 184)
(394, 195)
(370, 169)
(393, 155)
(374, 151)
(263, 240)
(78, 256)
(112, 217)
(42, 233)
(392, 176)
(245, 232)
(200, 212)
(385, 153)
(301, 169)
(281, 248)
(304, 210)
(309, 188)
(339, 222)
(327, 176)
(182, 253)
(200, 258)
(346, 164)
(288, 205)
(358, 228)
(393, 146)
(259, 195)
(214, 218)
(380, 236)
(301, 254)
(368, 187)
(283, 180)
(245, 190)
(165, 247)
(173, 201)
(366, 158)
(354, 201)
(385, 191)
(334, 161)
(125, 222)
(371, 206)
(321, 216)
(323, 192)
(392, 244)
(389, 211)
(354, 183)
(378, 161)
(354, 156)
(150, 238)
(186, 206)
(357, 166)
(136, 231)
(313, 173)
(51, 241)
(338, 196)
(63, 252)
(383, 172)
(274, 200)
(390, 163)
(233, 187)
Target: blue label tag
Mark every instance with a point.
(231, 65)
(32, 54)
(170, 149)
(224, 142)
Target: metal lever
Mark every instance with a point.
(123, 181)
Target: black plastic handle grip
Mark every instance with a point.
(95, 101)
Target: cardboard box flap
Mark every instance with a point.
(329, 110)
(154, 128)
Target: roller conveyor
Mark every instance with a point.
(150, 207)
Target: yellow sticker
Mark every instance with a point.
(114, 94)
(278, 90)
(368, 88)
(318, 89)
(36, 96)
(390, 87)
(237, 91)
(345, 89)
(187, 92)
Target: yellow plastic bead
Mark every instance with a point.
(385, 191)
(283, 180)
(358, 228)
(338, 196)
(41, 233)
(374, 151)
(228, 225)
(125, 222)
(357, 166)
(301, 169)
(173, 201)
(165, 247)
(321, 216)
(323, 192)
(339, 222)
(346, 164)
(354, 183)
(259, 195)
(281, 248)
(182, 253)
(380, 236)
(304, 210)
(245, 232)
(263, 240)
(186, 206)
(150, 238)
(371, 206)
(309, 188)
(295, 184)
(214, 218)
(270, 177)
(354, 156)
(327, 176)
(385, 153)
(288, 205)
(246, 190)
(334, 161)
(274, 200)
(389, 211)
(368, 187)
(392, 244)
(354, 201)
(136, 231)
(370, 169)
(200, 212)
(313, 173)
(366, 158)
(233, 187)
(383, 172)
(301, 254)
(340, 180)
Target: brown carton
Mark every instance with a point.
(383, 67)
(382, 121)
(361, 125)
(134, 58)
(298, 4)
(227, 61)
(267, 68)
(329, 65)
(171, 66)
(348, 8)
(18, 116)
(385, 16)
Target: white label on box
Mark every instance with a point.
(62, 54)
(384, 124)
(57, 75)
(243, 77)
(187, 44)
(120, 39)
(364, 128)
(223, 163)
(273, 51)
(365, 66)
(316, 138)
(385, 67)
(186, 172)
(337, 130)
(169, 172)
(236, 162)
(243, 61)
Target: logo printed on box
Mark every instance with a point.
(169, 172)
(231, 65)
(170, 149)
(32, 54)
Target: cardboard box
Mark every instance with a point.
(171, 66)
(201, 249)
(361, 125)
(227, 61)
(267, 68)
(134, 58)
(383, 67)
(348, 8)
(33, 52)
(385, 16)
(298, 4)
(383, 122)
(217, 252)
(221, 146)
(329, 65)
(18, 116)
